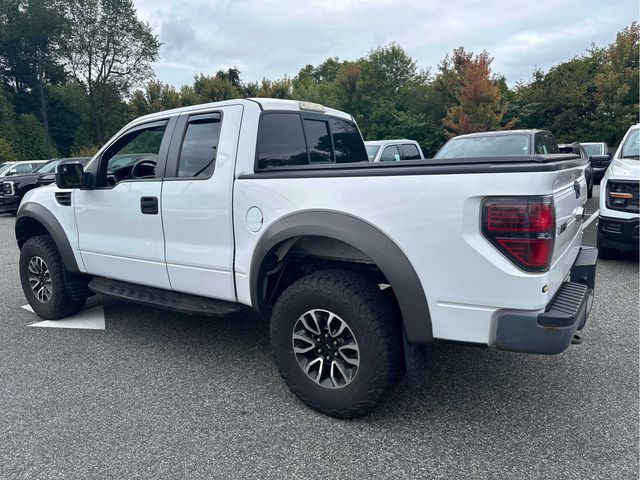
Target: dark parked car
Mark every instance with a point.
(13, 188)
(578, 149)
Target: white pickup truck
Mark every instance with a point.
(619, 220)
(273, 204)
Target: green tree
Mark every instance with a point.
(29, 52)
(69, 115)
(617, 87)
(7, 151)
(30, 144)
(155, 97)
(109, 50)
(214, 89)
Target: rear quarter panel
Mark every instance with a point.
(435, 221)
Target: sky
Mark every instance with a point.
(271, 39)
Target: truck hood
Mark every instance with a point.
(29, 177)
(625, 169)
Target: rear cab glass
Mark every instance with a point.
(295, 139)
(410, 152)
(485, 146)
(545, 143)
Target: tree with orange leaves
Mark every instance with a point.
(476, 92)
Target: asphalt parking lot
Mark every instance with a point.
(163, 395)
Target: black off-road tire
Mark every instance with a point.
(60, 305)
(376, 325)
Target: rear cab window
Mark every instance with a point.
(390, 154)
(410, 152)
(295, 139)
(545, 143)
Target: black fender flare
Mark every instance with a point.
(383, 251)
(43, 216)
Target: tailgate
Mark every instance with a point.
(570, 198)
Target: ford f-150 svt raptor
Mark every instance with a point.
(273, 204)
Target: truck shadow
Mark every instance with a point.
(464, 382)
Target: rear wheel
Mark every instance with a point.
(337, 341)
(42, 276)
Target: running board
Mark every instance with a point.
(157, 297)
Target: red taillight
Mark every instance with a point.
(523, 229)
(530, 217)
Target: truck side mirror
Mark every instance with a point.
(70, 175)
(600, 161)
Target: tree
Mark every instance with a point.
(214, 89)
(617, 86)
(155, 97)
(69, 115)
(275, 88)
(478, 107)
(30, 144)
(7, 152)
(109, 50)
(29, 47)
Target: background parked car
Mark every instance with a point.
(13, 188)
(618, 224)
(577, 149)
(22, 168)
(496, 144)
(5, 166)
(47, 173)
(393, 150)
(600, 158)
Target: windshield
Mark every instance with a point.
(48, 167)
(4, 168)
(485, 146)
(631, 147)
(372, 150)
(594, 149)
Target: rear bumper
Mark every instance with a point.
(551, 331)
(618, 233)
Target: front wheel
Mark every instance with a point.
(42, 276)
(337, 341)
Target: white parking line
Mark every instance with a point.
(91, 319)
(593, 216)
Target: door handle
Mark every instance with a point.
(149, 205)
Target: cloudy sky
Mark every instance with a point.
(266, 38)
